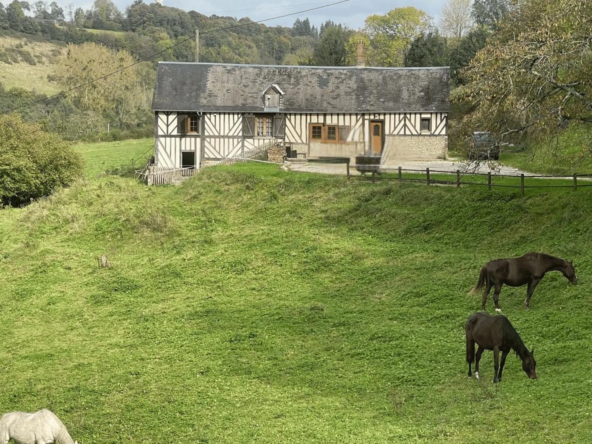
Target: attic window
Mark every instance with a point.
(272, 98)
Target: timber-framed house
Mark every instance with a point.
(211, 112)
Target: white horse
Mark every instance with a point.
(42, 427)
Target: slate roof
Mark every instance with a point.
(209, 87)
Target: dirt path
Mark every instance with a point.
(434, 165)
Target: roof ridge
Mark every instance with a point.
(352, 67)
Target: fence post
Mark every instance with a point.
(458, 178)
(489, 180)
(347, 163)
(428, 175)
(575, 176)
(522, 185)
(400, 175)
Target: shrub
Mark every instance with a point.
(33, 163)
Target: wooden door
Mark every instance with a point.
(376, 137)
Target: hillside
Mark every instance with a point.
(254, 305)
(28, 63)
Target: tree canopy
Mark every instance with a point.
(389, 36)
(538, 79)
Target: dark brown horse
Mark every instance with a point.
(516, 272)
(496, 333)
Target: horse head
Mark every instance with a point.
(570, 272)
(529, 365)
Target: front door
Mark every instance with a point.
(376, 137)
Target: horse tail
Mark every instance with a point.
(482, 280)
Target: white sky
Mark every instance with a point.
(351, 14)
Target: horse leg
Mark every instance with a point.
(470, 354)
(477, 359)
(496, 293)
(502, 363)
(495, 364)
(485, 295)
(531, 286)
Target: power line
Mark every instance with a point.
(171, 47)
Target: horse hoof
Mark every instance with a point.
(498, 310)
(476, 375)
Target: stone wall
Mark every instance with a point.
(276, 154)
(413, 148)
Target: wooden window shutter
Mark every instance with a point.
(279, 126)
(181, 123)
(344, 133)
(248, 126)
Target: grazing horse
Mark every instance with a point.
(516, 272)
(496, 333)
(42, 427)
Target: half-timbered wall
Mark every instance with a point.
(221, 136)
(169, 146)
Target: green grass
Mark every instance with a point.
(128, 154)
(21, 74)
(104, 31)
(255, 305)
(570, 152)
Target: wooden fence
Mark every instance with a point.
(160, 176)
(459, 178)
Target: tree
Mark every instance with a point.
(302, 28)
(15, 15)
(55, 12)
(40, 9)
(490, 12)
(33, 163)
(70, 12)
(456, 18)
(390, 35)
(330, 50)
(3, 17)
(465, 51)
(535, 81)
(428, 50)
(79, 17)
(119, 94)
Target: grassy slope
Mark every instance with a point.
(27, 76)
(568, 153)
(252, 305)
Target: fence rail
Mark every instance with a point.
(160, 175)
(577, 180)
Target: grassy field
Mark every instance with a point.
(104, 31)
(26, 64)
(107, 156)
(255, 305)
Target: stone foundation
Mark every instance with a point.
(413, 148)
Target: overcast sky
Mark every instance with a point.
(351, 13)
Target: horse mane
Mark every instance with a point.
(515, 340)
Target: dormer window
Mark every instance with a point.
(272, 98)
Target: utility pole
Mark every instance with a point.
(197, 45)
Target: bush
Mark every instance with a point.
(33, 163)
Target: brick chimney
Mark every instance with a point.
(361, 55)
